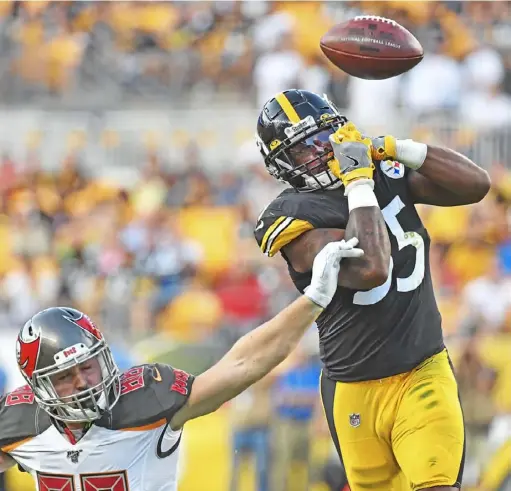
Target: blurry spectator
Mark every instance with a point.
(250, 416)
(30, 231)
(278, 70)
(365, 95)
(434, 85)
(242, 296)
(470, 254)
(315, 77)
(7, 173)
(487, 301)
(111, 255)
(122, 356)
(278, 286)
(485, 105)
(18, 290)
(294, 398)
(476, 381)
(119, 291)
(183, 321)
(168, 258)
(270, 28)
(3, 390)
(259, 187)
(229, 189)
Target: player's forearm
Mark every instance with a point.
(371, 270)
(249, 360)
(261, 350)
(456, 174)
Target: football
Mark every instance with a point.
(372, 48)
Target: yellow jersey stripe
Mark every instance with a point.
(286, 233)
(288, 109)
(270, 230)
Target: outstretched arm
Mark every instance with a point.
(249, 360)
(261, 350)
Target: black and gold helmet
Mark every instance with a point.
(292, 135)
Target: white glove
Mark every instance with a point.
(325, 270)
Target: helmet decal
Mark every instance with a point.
(27, 349)
(83, 321)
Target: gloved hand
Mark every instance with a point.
(384, 148)
(325, 270)
(408, 152)
(352, 154)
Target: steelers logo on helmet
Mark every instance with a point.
(301, 122)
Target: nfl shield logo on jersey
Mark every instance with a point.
(394, 170)
(355, 420)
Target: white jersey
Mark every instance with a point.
(132, 448)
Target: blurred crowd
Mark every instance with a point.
(170, 256)
(249, 50)
(140, 258)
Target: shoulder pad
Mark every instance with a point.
(150, 396)
(20, 418)
(287, 217)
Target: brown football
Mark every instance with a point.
(373, 48)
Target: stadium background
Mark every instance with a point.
(130, 184)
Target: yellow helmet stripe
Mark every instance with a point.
(288, 109)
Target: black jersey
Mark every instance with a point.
(366, 335)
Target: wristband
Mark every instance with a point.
(315, 296)
(411, 153)
(360, 194)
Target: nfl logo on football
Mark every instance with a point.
(355, 420)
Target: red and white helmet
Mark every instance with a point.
(55, 340)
